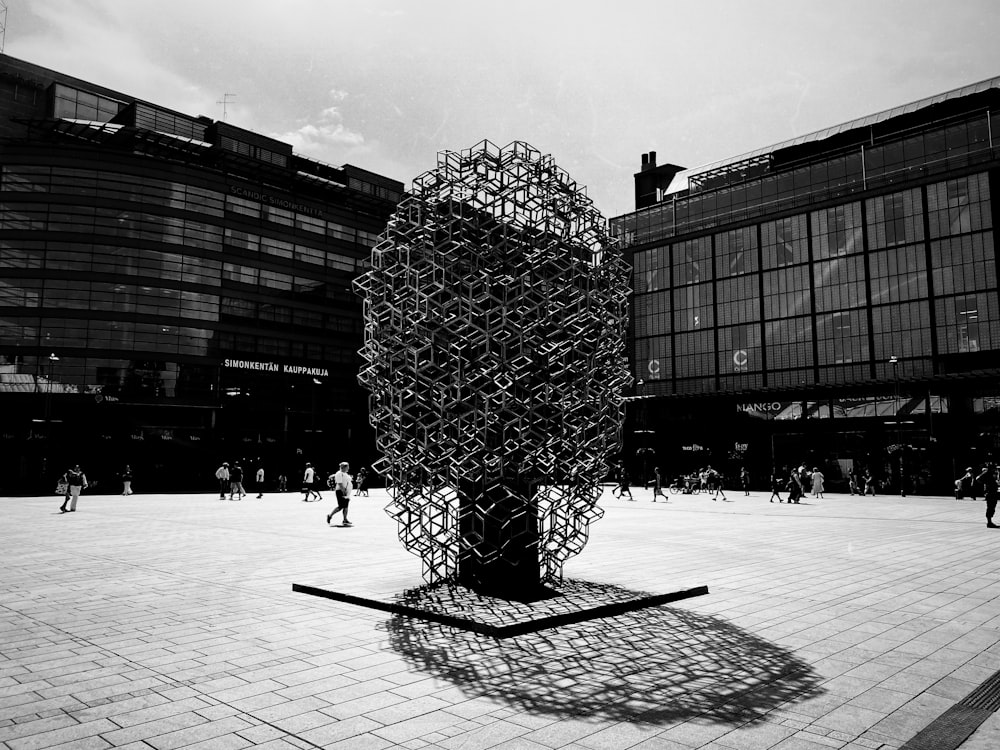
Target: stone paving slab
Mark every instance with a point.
(168, 622)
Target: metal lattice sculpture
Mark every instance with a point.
(495, 312)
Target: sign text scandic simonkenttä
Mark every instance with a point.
(249, 364)
(273, 200)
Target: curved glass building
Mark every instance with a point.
(174, 292)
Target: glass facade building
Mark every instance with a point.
(174, 292)
(832, 299)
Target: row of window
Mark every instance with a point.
(964, 264)
(29, 292)
(124, 187)
(840, 344)
(157, 228)
(947, 146)
(163, 266)
(74, 104)
(116, 186)
(158, 340)
(266, 311)
(163, 301)
(955, 207)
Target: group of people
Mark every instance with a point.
(231, 481)
(232, 476)
(863, 484)
(798, 482)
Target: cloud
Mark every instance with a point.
(327, 135)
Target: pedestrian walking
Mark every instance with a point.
(342, 487)
(76, 482)
(236, 482)
(852, 482)
(713, 482)
(745, 480)
(127, 480)
(991, 485)
(623, 482)
(775, 488)
(308, 484)
(816, 479)
(658, 485)
(794, 487)
(869, 483)
(282, 483)
(222, 474)
(259, 481)
(363, 481)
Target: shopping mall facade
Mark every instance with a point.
(174, 292)
(830, 300)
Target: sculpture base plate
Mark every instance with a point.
(568, 601)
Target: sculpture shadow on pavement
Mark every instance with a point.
(658, 665)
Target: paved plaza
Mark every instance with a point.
(168, 621)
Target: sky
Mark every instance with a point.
(387, 84)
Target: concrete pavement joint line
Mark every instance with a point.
(504, 631)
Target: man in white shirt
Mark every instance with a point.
(308, 482)
(343, 484)
(222, 474)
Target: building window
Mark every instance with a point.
(968, 323)
(651, 270)
(786, 292)
(784, 242)
(738, 300)
(898, 274)
(964, 264)
(739, 349)
(840, 283)
(895, 219)
(693, 308)
(692, 261)
(789, 343)
(959, 206)
(842, 337)
(837, 231)
(74, 104)
(736, 252)
(902, 330)
(694, 355)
